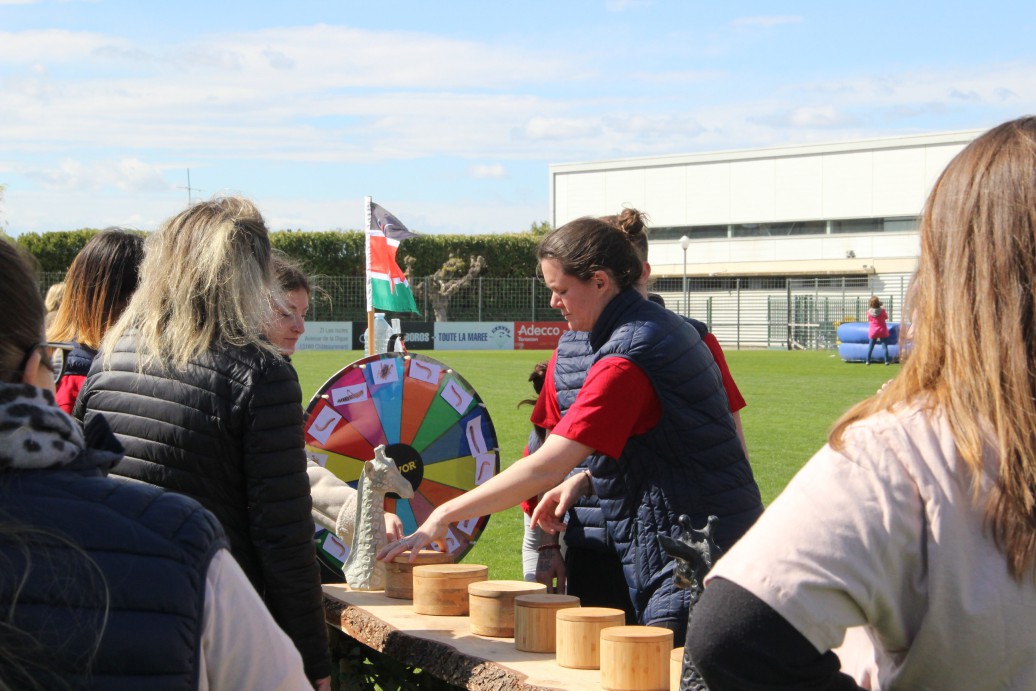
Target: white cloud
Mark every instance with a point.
(127, 174)
(494, 171)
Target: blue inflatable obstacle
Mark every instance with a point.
(854, 343)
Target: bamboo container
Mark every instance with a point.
(399, 577)
(675, 668)
(491, 605)
(535, 621)
(579, 634)
(635, 658)
(442, 589)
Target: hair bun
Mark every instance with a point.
(631, 221)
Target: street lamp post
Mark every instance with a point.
(685, 242)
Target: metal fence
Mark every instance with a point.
(749, 313)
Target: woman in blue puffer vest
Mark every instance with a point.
(653, 411)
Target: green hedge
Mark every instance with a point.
(337, 253)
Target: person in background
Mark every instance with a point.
(106, 584)
(877, 328)
(206, 406)
(911, 535)
(542, 553)
(334, 501)
(52, 301)
(637, 412)
(98, 286)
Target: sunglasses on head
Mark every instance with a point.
(52, 355)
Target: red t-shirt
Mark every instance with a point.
(67, 391)
(616, 402)
(735, 401)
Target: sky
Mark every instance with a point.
(449, 113)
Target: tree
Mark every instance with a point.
(454, 274)
(540, 229)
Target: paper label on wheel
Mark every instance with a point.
(425, 371)
(346, 395)
(485, 467)
(324, 424)
(456, 396)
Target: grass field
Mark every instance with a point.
(793, 398)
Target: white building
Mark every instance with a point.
(821, 218)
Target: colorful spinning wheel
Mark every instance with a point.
(433, 425)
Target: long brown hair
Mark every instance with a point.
(98, 285)
(972, 306)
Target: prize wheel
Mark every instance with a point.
(433, 425)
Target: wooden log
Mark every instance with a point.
(635, 658)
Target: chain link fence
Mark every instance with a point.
(753, 312)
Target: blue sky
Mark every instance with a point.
(448, 113)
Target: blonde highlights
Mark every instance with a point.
(204, 283)
(972, 303)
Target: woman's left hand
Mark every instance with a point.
(393, 527)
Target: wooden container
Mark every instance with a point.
(675, 668)
(579, 634)
(491, 605)
(635, 658)
(535, 621)
(399, 577)
(442, 589)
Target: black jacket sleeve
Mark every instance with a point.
(737, 641)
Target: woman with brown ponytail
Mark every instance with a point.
(646, 401)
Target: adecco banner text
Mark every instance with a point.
(474, 336)
(327, 336)
(538, 335)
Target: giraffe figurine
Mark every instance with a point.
(380, 476)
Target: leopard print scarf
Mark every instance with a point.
(34, 432)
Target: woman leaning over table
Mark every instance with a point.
(652, 404)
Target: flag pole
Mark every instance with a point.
(370, 295)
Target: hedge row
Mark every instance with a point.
(338, 253)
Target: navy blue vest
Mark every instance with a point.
(104, 545)
(691, 462)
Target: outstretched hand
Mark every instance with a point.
(550, 511)
(431, 531)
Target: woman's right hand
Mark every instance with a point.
(432, 530)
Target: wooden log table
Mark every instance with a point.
(445, 647)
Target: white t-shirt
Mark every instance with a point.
(886, 536)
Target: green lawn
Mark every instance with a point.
(793, 398)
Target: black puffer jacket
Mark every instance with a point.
(227, 431)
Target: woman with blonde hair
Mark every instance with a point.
(206, 406)
(98, 285)
(914, 530)
(107, 584)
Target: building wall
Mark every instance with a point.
(880, 178)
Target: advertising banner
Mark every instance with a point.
(474, 336)
(538, 335)
(418, 335)
(327, 336)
